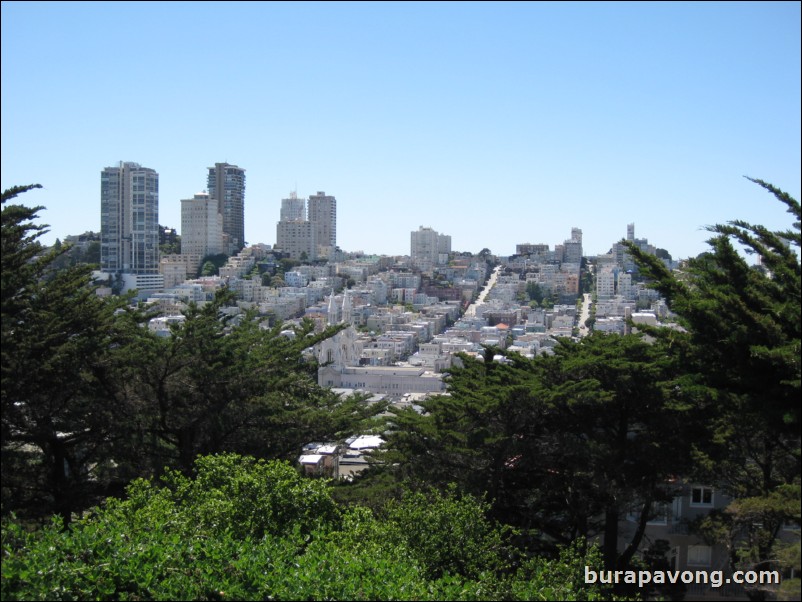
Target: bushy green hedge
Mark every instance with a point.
(253, 530)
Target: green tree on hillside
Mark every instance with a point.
(58, 424)
(475, 436)
(562, 446)
(620, 426)
(743, 340)
(243, 529)
(218, 385)
(211, 264)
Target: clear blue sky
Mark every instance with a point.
(496, 123)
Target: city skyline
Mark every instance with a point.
(497, 123)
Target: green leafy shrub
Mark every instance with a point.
(246, 529)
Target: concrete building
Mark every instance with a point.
(298, 239)
(322, 213)
(178, 268)
(129, 219)
(201, 227)
(296, 278)
(537, 250)
(428, 246)
(226, 184)
(605, 282)
(572, 251)
(308, 229)
(293, 209)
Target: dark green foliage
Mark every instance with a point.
(743, 343)
(663, 254)
(169, 241)
(286, 264)
(211, 264)
(447, 534)
(57, 339)
(620, 426)
(560, 445)
(744, 321)
(251, 530)
(20, 249)
(218, 384)
(71, 255)
(475, 437)
(534, 292)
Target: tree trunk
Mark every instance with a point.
(610, 549)
(59, 481)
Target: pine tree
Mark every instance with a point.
(743, 341)
(57, 423)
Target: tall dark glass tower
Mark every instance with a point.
(226, 183)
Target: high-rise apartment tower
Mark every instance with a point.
(226, 183)
(201, 230)
(293, 209)
(322, 212)
(428, 245)
(129, 219)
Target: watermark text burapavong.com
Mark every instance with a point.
(712, 578)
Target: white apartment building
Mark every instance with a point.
(201, 227)
(612, 281)
(605, 283)
(296, 278)
(429, 246)
(238, 265)
(322, 213)
(144, 284)
(129, 219)
(293, 209)
(308, 229)
(299, 239)
(625, 288)
(178, 268)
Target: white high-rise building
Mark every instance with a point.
(605, 282)
(299, 239)
(201, 226)
(129, 219)
(322, 212)
(308, 228)
(293, 209)
(427, 245)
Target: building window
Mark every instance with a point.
(701, 496)
(659, 513)
(699, 555)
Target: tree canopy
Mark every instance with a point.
(243, 529)
(57, 340)
(742, 344)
